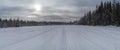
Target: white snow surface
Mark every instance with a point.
(61, 37)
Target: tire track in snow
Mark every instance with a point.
(55, 43)
(43, 40)
(29, 37)
(80, 40)
(21, 30)
(23, 33)
(64, 37)
(84, 38)
(58, 42)
(111, 35)
(100, 38)
(105, 33)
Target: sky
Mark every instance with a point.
(46, 10)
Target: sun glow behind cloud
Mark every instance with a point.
(37, 7)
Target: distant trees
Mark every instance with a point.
(18, 23)
(107, 13)
(15, 23)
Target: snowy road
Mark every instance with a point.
(60, 38)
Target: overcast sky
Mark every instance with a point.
(46, 10)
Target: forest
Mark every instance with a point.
(4, 23)
(107, 13)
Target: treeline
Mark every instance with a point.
(15, 23)
(18, 23)
(107, 13)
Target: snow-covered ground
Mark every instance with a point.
(60, 38)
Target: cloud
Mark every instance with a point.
(52, 10)
(14, 11)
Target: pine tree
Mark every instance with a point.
(107, 13)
